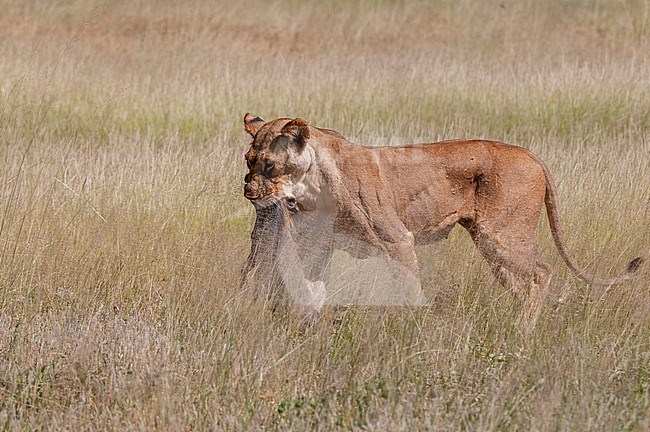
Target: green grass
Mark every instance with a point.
(123, 226)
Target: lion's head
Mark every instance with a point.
(277, 161)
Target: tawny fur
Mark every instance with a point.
(391, 199)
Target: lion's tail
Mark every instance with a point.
(558, 236)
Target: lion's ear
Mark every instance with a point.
(252, 124)
(298, 129)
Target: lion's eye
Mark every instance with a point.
(268, 169)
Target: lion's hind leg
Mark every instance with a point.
(513, 261)
(533, 300)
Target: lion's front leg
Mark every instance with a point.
(317, 266)
(405, 269)
(303, 264)
(307, 296)
(313, 240)
(396, 243)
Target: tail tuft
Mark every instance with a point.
(634, 265)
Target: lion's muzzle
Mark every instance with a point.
(251, 192)
(263, 192)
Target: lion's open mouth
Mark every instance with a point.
(291, 204)
(270, 200)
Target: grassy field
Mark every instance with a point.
(123, 226)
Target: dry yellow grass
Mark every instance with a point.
(123, 227)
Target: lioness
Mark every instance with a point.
(390, 199)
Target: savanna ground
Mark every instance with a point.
(123, 226)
